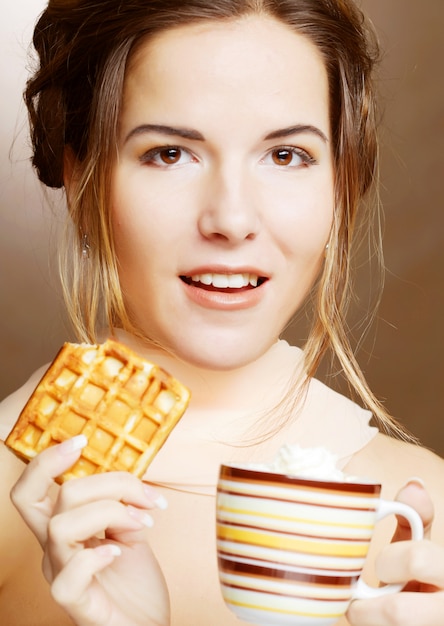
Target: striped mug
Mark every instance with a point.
(291, 550)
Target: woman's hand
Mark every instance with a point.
(420, 564)
(93, 534)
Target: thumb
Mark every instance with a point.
(414, 494)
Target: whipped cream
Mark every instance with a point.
(316, 463)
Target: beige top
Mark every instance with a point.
(222, 419)
(229, 434)
(327, 419)
(226, 421)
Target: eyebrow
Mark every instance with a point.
(189, 133)
(186, 133)
(297, 129)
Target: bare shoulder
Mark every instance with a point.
(12, 529)
(12, 405)
(392, 461)
(14, 535)
(25, 596)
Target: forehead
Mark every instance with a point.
(255, 65)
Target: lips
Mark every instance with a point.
(224, 281)
(225, 289)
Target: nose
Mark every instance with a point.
(229, 209)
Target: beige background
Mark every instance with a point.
(407, 343)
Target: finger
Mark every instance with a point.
(405, 561)
(415, 495)
(30, 495)
(119, 486)
(399, 609)
(71, 588)
(69, 531)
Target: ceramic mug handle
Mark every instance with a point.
(387, 507)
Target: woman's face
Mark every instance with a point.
(222, 198)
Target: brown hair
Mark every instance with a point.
(74, 100)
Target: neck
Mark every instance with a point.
(256, 385)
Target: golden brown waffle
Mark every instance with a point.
(124, 405)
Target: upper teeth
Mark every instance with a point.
(222, 281)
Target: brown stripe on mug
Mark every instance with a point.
(250, 476)
(268, 592)
(351, 571)
(273, 573)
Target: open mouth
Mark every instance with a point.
(226, 282)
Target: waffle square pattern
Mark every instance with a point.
(124, 405)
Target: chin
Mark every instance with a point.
(219, 365)
(215, 350)
(217, 356)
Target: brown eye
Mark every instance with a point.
(289, 157)
(166, 156)
(170, 156)
(282, 156)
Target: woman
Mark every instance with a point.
(214, 156)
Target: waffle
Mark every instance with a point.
(124, 405)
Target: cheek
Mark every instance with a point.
(148, 208)
(134, 220)
(131, 236)
(303, 225)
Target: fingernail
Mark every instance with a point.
(161, 502)
(109, 549)
(156, 498)
(72, 445)
(140, 516)
(415, 480)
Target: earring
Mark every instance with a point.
(85, 246)
(326, 249)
